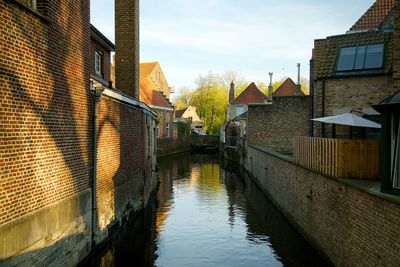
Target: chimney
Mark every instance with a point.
(232, 93)
(270, 91)
(298, 91)
(127, 47)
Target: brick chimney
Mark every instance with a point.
(127, 47)
(232, 93)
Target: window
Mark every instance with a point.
(240, 110)
(32, 4)
(167, 129)
(158, 134)
(148, 142)
(358, 58)
(98, 63)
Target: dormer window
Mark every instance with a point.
(97, 63)
(360, 59)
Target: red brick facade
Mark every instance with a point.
(47, 139)
(124, 176)
(45, 122)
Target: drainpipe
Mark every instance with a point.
(323, 106)
(97, 91)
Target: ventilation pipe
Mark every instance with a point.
(270, 91)
(298, 80)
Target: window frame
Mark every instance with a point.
(363, 69)
(99, 63)
(167, 130)
(32, 4)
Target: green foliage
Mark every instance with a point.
(183, 128)
(211, 96)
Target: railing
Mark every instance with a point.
(341, 158)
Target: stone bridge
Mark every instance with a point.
(205, 143)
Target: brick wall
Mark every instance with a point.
(125, 164)
(45, 106)
(352, 227)
(127, 47)
(354, 93)
(274, 126)
(106, 59)
(45, 133)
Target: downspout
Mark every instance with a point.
(323, 106)
(97, 92)
(312, 86)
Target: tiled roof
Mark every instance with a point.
(287, 88)
(375, 15)
(152, 97)
(147, 68)
(250, 95)
(179, 112)
(326, 50)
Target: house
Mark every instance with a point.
(100, 57)
(189, 114)
(239, 105)
(77, 157)
(154, 91)
(287, 88)
(153, 71)
(352, 71)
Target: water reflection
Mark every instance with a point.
(208, 216)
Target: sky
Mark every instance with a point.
(251, 37)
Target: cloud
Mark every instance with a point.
(190, 37)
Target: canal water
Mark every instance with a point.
(206, 215)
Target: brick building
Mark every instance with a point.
(190, 115)
(287, 88)
(67, 177)
(155, 92)
(352, 71)
(239, 105)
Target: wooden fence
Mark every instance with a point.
(341, 158)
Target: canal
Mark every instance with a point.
(206, 215)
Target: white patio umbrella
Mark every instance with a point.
(349, 119)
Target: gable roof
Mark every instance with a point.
(147, 68)
(326, 50)
(101, 39)
(152, 97)
(250, 95)
(287, 88)
(374, 16)
(179, 112)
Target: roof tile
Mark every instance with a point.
(250, 95)
(326, 50)
(374, 16)
(287, 88)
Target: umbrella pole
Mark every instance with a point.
(334, 131)
(351, 132)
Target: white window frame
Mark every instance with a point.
(98, 58)
(32, 4)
